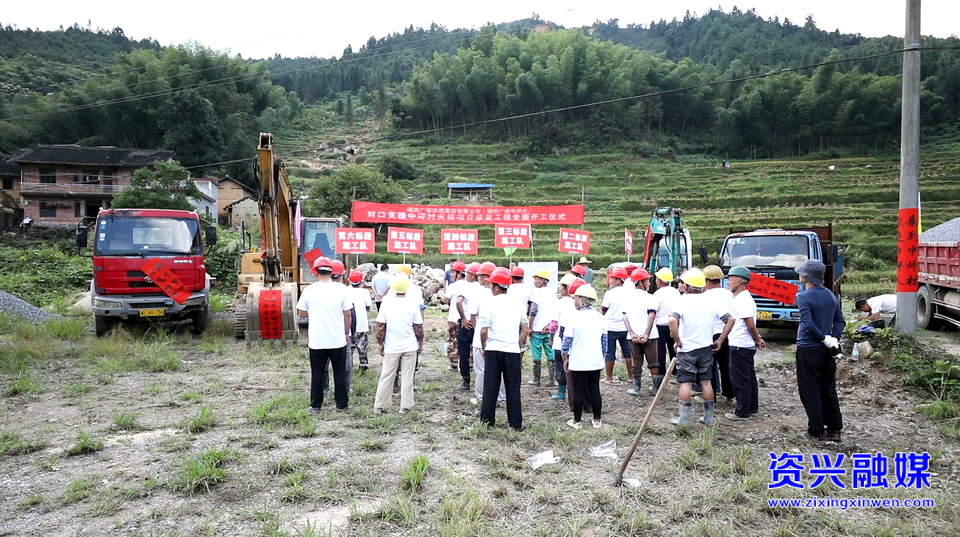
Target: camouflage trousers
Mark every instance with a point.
(453, 355)
(360, 344)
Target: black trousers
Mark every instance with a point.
(503, 366)
(744, 378)
(558, 368)
(722, 384)
(817, 382)
(464, 342)
(664, 347)
(318, 376)
(586, 382)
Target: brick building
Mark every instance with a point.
(10, 212)
(59, 184)
(230, 191)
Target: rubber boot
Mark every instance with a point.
(551, 370)
(637, 390)
(561, 392)
(655, 387)
(707, 418)
(536, 374)
(466, 384)
(684, 418)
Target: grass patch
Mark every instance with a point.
(22, 385)
(411, 478)
(79, 490)
(85, 444)
(14, 444)
(200, 473)
(287, 413)
(203, 422)
(125, 421)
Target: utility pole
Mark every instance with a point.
(909, 215)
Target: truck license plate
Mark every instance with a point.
(151, 313)
(764, 315)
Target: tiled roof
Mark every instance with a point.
(8, 167)
(76, 155)
(230, 206)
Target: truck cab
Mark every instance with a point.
(148, 266)
(775, 253)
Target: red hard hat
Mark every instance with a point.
(322, 262)
(572, 288)
(355, 276)
(486, 268)
(500, 276)
(619, 273)
(577, 269)
(458, 266)
(640, 274)
(630, 268)
(337, 266)
(517, 271)
(472, 268)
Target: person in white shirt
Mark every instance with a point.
(612, 309)
(584, 347)
(400, 336)
(465, 331)
(691, 325)
(562, 308)
(479, 302)
(872, 308)
(740, 326)
(722, 384)
(502, 335)
(542, 301)
(361, 320)
(664, 298)
(639, 316)
(327, 306)
(450, 294)
(381, 284)
(521, 292)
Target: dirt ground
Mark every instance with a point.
(353, 462)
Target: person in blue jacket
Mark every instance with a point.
(818, 342)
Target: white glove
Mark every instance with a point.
(831, 342)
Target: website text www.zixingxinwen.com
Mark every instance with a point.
(851, 503)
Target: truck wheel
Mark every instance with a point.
(102, 325)
(200, 319)
(926, 308)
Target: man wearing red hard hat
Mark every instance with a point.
(450, 295)
(361, 318)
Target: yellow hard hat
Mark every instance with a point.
(542, 273)
(586, 291)
(712, 272)
(568, 279)
(404, 269)
(400, 283)
(665, 274)
(694, 278)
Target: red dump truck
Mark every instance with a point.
(938, 299)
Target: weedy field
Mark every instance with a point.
(155, 432)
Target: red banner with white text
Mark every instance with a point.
(459, 241)
(512, 236)
(574, 241)
(355, 240)
(394, 213)
(405, 240)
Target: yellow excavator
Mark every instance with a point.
(269, 280)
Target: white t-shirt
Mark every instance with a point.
(664, 298)
(546, 301)
(586, 327)
(453, 291)
(502, 320)
(361, 301)
(697, 313)
(479, 302)
(381, 283)
(724, 300)
(614, 300)
(637, 311)
(400, 314)
(742, 308)
(562, 310)
(520, 292)
(883, 304)
(325, 303)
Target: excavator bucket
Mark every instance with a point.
(268, 314)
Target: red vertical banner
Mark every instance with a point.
(512, 236)
(908, 251)
(627, 241)
(271, 320)
(312, 256)
(459, 241)
(404, 240)
(355, 240)
(574, 241)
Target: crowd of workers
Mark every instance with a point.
(690, 326)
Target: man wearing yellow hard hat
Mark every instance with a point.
(542, 301)
(663, 300)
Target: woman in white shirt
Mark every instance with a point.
(584, 348)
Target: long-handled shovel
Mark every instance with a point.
(618, 480)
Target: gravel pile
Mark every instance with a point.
(12, 305)
(948, 231)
